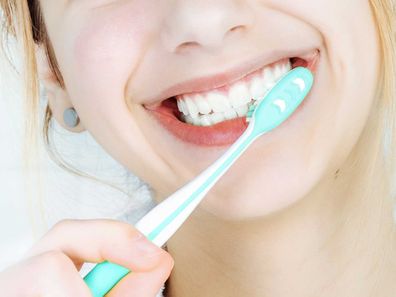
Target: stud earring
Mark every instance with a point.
(71, 118)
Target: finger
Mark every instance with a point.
(145, 284)
(99, 240)
(48, 274)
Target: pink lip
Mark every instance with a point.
(221, 134)
(202, 84)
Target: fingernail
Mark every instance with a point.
(146, 247)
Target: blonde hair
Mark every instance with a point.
(24, 21)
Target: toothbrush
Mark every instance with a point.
(163, 221)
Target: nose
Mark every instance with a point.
(192, 24)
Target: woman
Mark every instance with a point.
(307, 211)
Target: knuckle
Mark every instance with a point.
(61, 225)
(55, 262)
(122, 230)
(55, 275)
(129, 232)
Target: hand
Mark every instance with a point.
(51, 267)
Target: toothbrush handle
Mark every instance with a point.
(103, 277)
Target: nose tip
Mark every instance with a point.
(191, 27)
(209, 40)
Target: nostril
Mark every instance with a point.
(235, 32)
(237, 28)
(185, 46)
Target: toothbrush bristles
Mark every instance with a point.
(252, 106)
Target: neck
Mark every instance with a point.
(337, 241)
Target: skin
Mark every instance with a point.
(50, 267)
(116, 55)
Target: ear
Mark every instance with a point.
(58, 98)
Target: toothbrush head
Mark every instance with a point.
(281, 101)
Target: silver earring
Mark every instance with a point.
(71, 118)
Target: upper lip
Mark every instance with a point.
(206, 83)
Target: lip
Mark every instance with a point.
(223, 133)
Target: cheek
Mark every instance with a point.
(106, 53)
(96, 60)
(104, 56)
(100, 56)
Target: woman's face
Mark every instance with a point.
(128, 63)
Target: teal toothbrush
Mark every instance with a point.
(164, 220)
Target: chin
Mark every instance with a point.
(257, 199)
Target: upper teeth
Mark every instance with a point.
(212, 107)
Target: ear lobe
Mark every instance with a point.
(59, 101)
(58, 98)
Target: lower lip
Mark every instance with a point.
(221, 134)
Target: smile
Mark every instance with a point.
(232, 101)
(217, 116)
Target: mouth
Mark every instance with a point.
(212, 111)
